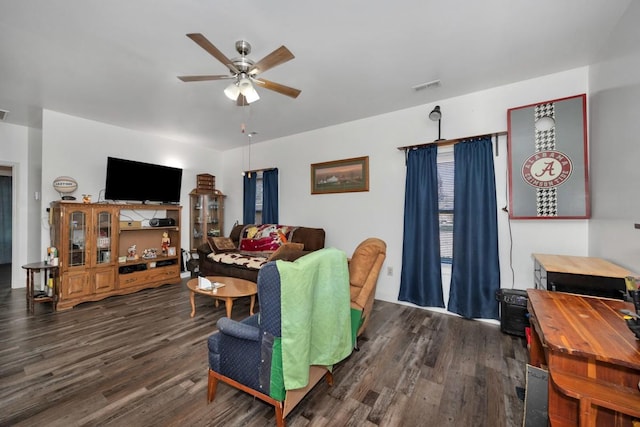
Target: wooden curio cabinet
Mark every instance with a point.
(207, 216)
(92, 242)
(85, 237)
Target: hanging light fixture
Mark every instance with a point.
(242, 86)
(246, 88)
(436, 115)
(232, 91)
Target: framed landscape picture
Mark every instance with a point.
(340, 176)
(547, 160)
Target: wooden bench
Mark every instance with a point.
(590, 391)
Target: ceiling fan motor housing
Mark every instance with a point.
(243, 64)
(243, 47)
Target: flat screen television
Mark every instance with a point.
(129, 180)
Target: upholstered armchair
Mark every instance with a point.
(364, 268)
(302, 330)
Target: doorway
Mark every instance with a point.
(6, 225)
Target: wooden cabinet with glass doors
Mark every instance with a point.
(90, 244)
(85, 236)
(207, 216)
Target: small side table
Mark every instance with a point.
(234, 288)
(36, 267)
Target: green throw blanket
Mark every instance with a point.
(316, 313)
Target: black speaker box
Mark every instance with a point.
(127, 269)
(162, 222)
(514, 317)
(163, 263)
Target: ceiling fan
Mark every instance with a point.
(244, 71)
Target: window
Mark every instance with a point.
(259, 198)
(445, 206)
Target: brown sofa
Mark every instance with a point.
(311, 238)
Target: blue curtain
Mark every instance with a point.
(270, 197)
(475, 272)
(249, 198)
(5, 219)
(421, 279)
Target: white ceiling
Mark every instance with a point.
(116, 61)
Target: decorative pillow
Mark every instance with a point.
(221, 245)
(287, 252)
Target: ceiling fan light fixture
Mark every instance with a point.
(251, 95)
(247, 90)
(244, 84)
(232, 91)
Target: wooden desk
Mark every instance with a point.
(37, 267)
(586, 344)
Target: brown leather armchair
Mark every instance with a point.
(364, 268)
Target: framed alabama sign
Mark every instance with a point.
(548, 161)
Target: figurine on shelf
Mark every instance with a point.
(149, 253)
(131, 253)
(166, 241)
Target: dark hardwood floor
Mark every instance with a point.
(140, 360)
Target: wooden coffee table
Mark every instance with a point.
(233, 288)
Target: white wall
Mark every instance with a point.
(79, 148)
(351, 217)
(37, 222)
(615, 149)
(21, 150)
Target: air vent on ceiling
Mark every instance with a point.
(3, 114)
(429, 85)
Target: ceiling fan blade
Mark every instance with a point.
(277, 87)
(203, 78)
(277, 57)
(209, 47)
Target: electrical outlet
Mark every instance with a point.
(389, 271)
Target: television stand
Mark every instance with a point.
(94, 242)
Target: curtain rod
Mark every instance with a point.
(445, 142)
(260, 170)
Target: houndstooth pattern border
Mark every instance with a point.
(546, 202)
(546, 198)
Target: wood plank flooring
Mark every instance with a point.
(140, 360)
